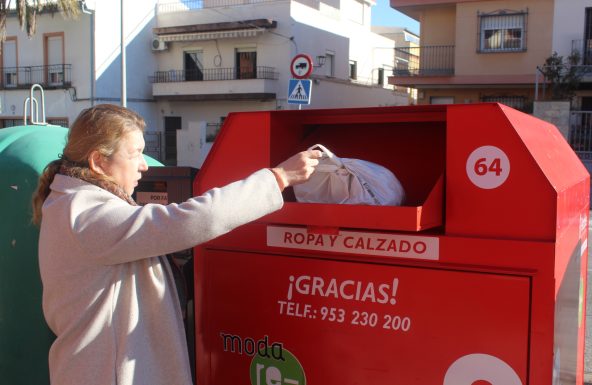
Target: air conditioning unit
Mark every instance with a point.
(158, 44)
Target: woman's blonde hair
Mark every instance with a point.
(99, 128)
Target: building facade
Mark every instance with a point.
(190, 63)
(406, 44)
(219, 56)
(78, 61)
(478, 51)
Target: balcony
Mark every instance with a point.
(424, 61)
(235, 83)
(584, 49)
(49, 77)
(191, 5)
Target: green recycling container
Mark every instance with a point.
(24, 336)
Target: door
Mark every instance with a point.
(9, 63)
(587, 56)
(171, 125)
(193, 65)
(55, 60)
(246, 63)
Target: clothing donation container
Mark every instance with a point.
(478, 278)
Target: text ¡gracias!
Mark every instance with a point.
(347, 289)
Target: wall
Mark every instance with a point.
(472, 95)
(556, 113)
(469, 62)
(59, 103)
(300, 29)
(93, 81)
(565, 32)
(140, 61)
(437, 26)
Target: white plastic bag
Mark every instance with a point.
(350, 181)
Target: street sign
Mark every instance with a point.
(301, 66)
(299, 91)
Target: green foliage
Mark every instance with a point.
(563, 74)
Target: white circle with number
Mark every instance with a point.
(481, 367)
(488, 167)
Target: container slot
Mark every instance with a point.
(412, 147)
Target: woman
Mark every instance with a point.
(107, 294)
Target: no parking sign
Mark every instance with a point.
(300, 87)
(301, 66)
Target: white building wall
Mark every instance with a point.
(30, 52)
(568, 24)
(92, 47)
(344, 32)
(140, 61)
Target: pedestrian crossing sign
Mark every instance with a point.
(299, 91)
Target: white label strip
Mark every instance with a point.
(354, 242)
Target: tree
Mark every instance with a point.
(564, 76)
(27, 11)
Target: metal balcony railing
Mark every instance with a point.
(50, 76)
(580, 133)
(153, 148)
(584, 48)
(207, 74)
(189, 5)
(424, 61)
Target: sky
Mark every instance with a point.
(384, 15)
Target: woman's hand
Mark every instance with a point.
(297, 169)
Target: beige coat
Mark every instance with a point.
(107, 294)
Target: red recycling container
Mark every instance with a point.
(479, 278)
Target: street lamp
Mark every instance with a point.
(321, 60)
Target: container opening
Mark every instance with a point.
(413, 151)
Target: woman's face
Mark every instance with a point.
(127, 163)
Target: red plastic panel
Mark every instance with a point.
(494, 187)
(410, 141)
(356, 323)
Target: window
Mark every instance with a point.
(171, 125)
(517, 102)
(10, 77)
(246, 63)
(503, 32)
(330, 64)
(9, 62)
(441, 100)
(4, 123)
(587, 59)
(212, 130)
(58, 122)
(56, 75)
(353, 69)
(380, 80)
(193, 65)
(54, 58)
(11, 122)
